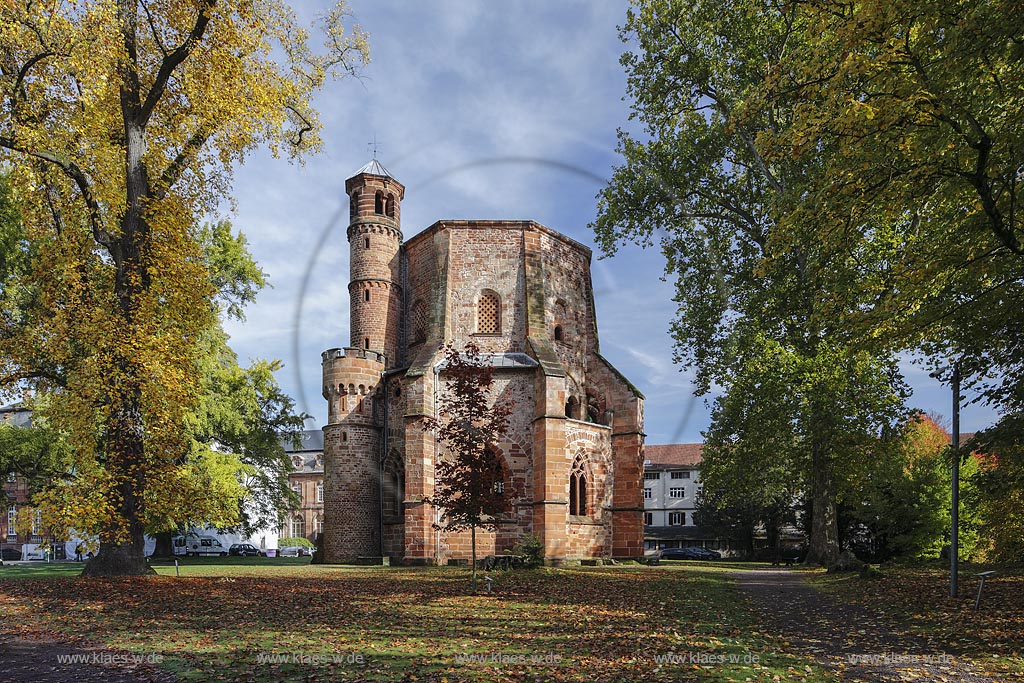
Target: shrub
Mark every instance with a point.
(531, 549)
(298, 540)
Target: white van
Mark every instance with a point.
(195, 546)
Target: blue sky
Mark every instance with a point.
(499, 111)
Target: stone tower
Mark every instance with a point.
(352, 377)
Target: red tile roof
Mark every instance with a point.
(674, 454)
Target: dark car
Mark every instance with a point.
(10, 554)
(689, 554)
(243, 549)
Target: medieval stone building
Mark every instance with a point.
(522, 292)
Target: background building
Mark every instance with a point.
(671, 488)
(306, 479)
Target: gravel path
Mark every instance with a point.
(42, 661)
(856, 643)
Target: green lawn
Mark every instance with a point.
(229, 618)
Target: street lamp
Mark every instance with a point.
(954, 535)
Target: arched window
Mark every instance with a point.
(560, 318)
(498, 475)
(366, 243)
(298, 527)
(572, 408)
(353, 206)
(366, 343)
(390, 206)
(319, 524)
(578, 487)
(378, 203)
(419, 322)
(488, 315)
(366, 294)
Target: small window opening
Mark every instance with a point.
(378, 203)
(558, 333)
(390, 210)
(366, 343)
(366, 295)
(366, 242)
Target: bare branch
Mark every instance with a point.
(174, 170)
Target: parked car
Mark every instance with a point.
(244, 549)
(295, 551)
(10, 554)
(690, 554)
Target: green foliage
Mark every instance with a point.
(294, 541)
(698, 181)
(531, 548)
(998, 497)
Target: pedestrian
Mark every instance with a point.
(78, 552)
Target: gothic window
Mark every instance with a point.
(497, 474)
(390, 206)
(378, 203)
(488, 316)
(578, 487)
(419, 322)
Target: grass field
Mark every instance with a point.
(271, 619)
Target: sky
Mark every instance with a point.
(483, 111)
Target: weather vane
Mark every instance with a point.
(373, 145)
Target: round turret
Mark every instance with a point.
(375, 237)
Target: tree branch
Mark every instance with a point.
(171, 61)
(76, 174)
(174, 170)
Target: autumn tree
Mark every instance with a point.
(696, 180)
(470, 484)
(120, 123)
(911, 119)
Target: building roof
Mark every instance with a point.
(374, 167)
(312, 441)
(16, 414)
(674, 454)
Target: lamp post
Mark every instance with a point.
(954, 534)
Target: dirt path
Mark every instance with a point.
(856, 643)
(41, 661)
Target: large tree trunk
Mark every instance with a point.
(123, 541)
(164, 544)
(823, 546)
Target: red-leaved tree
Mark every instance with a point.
(470, 483)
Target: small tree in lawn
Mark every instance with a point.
(469, 487)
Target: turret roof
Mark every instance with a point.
(374, 167)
